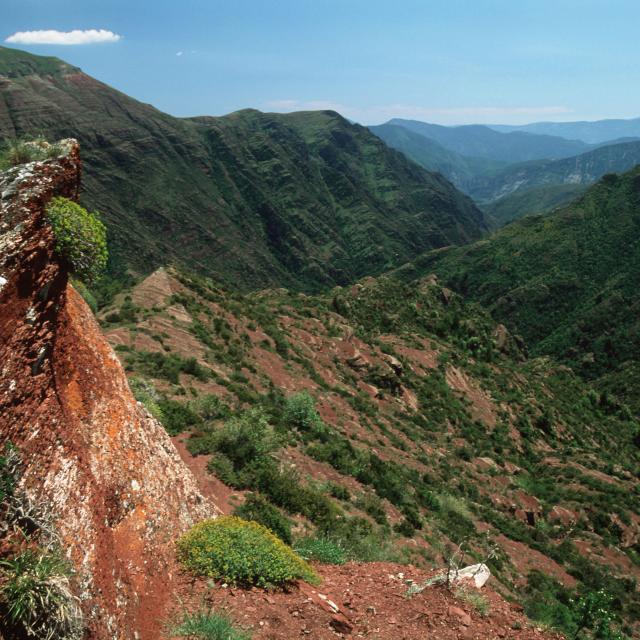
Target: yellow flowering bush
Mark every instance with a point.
(241, 552)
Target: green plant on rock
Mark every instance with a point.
(87, 296)
(474, 598)
(241, 552)
(144, 392)
(35, 595)
(8, 463)
(81, 237)
(19, 151)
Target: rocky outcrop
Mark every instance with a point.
(114, 482)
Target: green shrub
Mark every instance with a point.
(35, 599)
(300, 413)
(361, 542)
(321, 549)
(128, 311)
(210, 407)
(338, 491)
(207, 625)
(285, 489)
(593, 611)
(259, 509)
(221, 467)
(372, 505)
(177, 416)
(80, 236)
(240, 552)
(246, 438)
(156, 364)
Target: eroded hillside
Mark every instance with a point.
(432, 428)
(566, 282)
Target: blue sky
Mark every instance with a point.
(451, 61)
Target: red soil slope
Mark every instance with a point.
(371, 602)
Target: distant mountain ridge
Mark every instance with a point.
(304, 200)
(592, 132)
(461, 170)
(480, 141)
(509, 190)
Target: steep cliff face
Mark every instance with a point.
(115, 484)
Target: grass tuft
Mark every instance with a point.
(207, 625)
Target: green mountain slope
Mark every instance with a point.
(483, 142)
(460, 170)
(304, 200)
(567, 282)
(532, 201)
(583, 169)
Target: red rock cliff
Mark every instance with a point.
(118, 489)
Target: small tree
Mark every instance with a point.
(592, 612)
(81, 237)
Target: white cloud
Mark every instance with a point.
(52, 36)
(444, 115)
(179, 53)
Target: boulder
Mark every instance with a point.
(476, 574)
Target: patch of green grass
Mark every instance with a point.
(321, 549)
(208, 625)
(17, 151)
(35, 596)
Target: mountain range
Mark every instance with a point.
(484, 142)
(583, 169)
(303, 200)
(512, 173)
